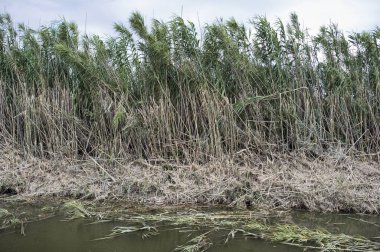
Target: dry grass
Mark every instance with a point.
(285, 181)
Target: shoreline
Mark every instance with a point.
(328, 184)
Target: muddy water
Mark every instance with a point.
(54, 234)
(367, 225)
(70, 236)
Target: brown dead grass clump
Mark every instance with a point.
(330, 183)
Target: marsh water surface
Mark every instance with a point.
(62, 236)
(59, 234)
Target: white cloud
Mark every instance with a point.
(98, 16)
(350, 15)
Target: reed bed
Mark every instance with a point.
(161, 90)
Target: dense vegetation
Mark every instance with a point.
(164, 91)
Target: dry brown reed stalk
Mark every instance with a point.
(163, 93)
(283, 181)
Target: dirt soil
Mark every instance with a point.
(330, 183)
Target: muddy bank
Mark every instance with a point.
(329, 183)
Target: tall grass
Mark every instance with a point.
(158, 91)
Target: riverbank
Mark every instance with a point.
(242, 116)
(331, 183)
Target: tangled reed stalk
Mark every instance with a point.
(159, 91)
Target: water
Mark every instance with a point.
(55, 234)
(70, 236)
(367, 225)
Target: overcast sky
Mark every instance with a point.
(98, 16)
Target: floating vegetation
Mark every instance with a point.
(4, 213)
(204, 228)
(244, 224)
(147, 231)
(7, 219)
(198, 243)
(75, 210)
(234, 232)
(25, 212)
(320, 238)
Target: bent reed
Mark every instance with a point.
(166, 94)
